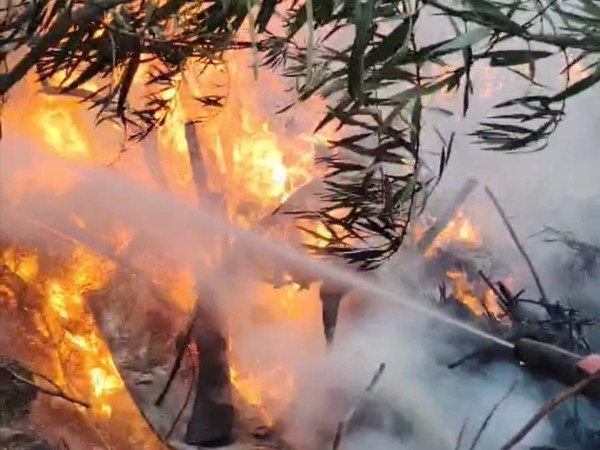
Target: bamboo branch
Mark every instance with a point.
(547, 408)
(56, 32)
(520, 247)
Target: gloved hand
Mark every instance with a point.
(590, 364)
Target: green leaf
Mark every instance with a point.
(579, 86)
(505, 58)
(464, 40)
(265, 13)
(310, 44)
(487, 8)
(396, 40)
(400, 100)
(363, 22)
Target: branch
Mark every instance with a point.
(344, 423)
(487, 419)
(60, 27)
(58, 392)
(184, 406)
(181, 344)
(197, 164)
(547, 408)
(520, 247)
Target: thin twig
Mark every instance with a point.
(489, 283)
(520, 247)
(58, 392)
(184, 406)
(183, 344)
(461, 435)
(547, 408)
(344, 423)
(467, 357)
(486, 422)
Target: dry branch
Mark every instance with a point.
(343, 425)
(520, 247)
(182, 344)
(56, 392)
(547, 408)
(488, 418)
(188, 397)
(196, 162)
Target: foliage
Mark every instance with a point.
(377, 85)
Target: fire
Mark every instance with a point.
(477, 296)
(252, 159)
(24, 264)
(257, 390)
(65, 310)
(66, 321)
(459, 231)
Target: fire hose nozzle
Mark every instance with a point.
(561, 365)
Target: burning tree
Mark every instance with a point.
(166, 73)
(377, 86)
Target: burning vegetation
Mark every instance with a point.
(109, 341)
(243, 161)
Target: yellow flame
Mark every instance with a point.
(85, 272)
(24, 264)
(459, 231)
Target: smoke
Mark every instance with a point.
(418, 401)
(420, 404)
(416, 389)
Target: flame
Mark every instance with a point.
(250, 157)
(276, 385)
(477, 296)
(480, 300)
(459, 231)
(24, 264)
(65, 310)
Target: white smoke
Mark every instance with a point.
(416, 386)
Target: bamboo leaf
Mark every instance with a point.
(363, 23)
(395, 41)
(265, 13)
(465, 40)
(505, 58)
(579, 86)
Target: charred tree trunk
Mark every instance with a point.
(211, 424)
(331, 297)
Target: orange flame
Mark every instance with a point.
(459, 231)
(248, 156)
